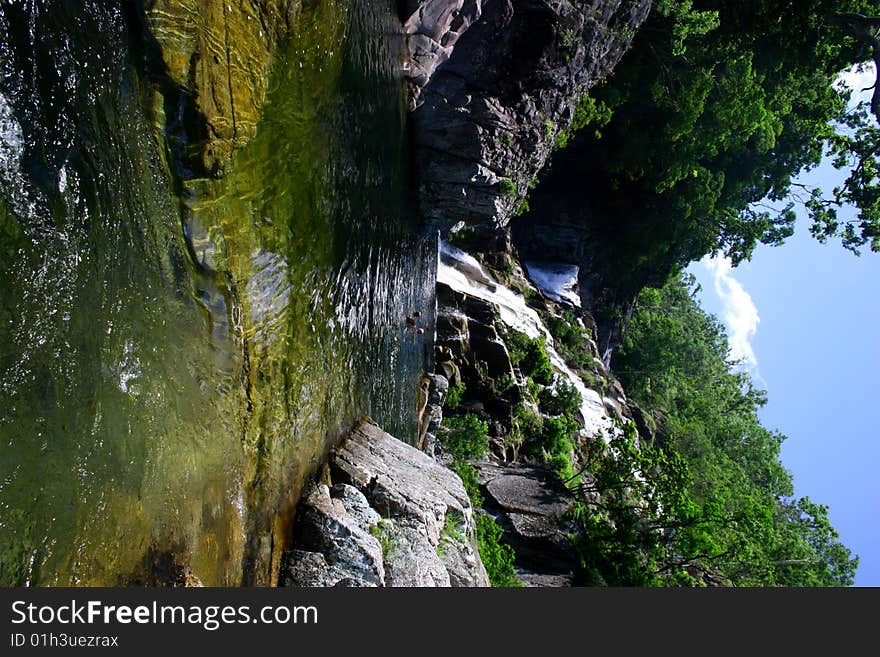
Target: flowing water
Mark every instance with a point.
(178, 351)
(463, 273)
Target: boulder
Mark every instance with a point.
(394, 517)
(531, 504)
(333, 540)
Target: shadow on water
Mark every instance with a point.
(178, 351)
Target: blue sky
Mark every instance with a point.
(805, 317)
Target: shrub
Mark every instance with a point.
(496, 556)
(468, 475)
(563, 399)
(507, 187)
(465, 437)
(536, 362)
(529, 423)
(454, 394)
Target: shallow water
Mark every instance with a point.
(176, 351)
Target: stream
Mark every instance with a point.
(179, 350)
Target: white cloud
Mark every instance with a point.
(739, 312)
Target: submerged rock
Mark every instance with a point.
(395, 517)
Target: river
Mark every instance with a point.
(178, 350)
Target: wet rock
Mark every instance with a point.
(469, 345)
(395, 517)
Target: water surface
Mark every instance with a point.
(178, 351)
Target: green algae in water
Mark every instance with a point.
(164, 396)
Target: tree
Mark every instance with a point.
(711, 501)
(715, 111)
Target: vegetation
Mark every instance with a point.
(496, 556)
(530, 355)
(383, 531)
(571, 340)
(464, 438)
(709, 501)
(507, 187)
(706, 125)
(454, 395)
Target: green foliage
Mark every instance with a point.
(588, 111)
(713, 113)
(453, 530)
(564, 39)
(556, 445)
(454, 395)
(714, 497)
(465, 437)
(527, 422)
(530, 355)
(507, 187)
(496, 556)
(686, 22)
(571, 340)
(562, 399)
(469, 477)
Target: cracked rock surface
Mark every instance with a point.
(392, 517)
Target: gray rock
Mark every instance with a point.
(531, 504)
(433, 27)
(493, 84)
(395, 517)
(337, 530)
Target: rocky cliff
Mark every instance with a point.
(493, 83)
